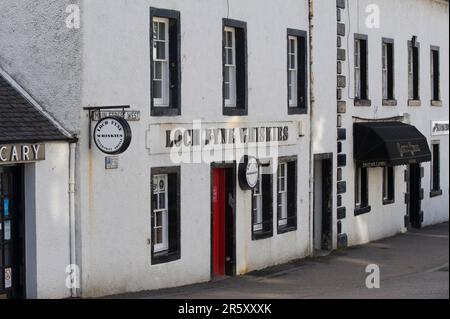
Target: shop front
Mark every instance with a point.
(389, 145)
(34, 169)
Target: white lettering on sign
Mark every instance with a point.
(21, 153)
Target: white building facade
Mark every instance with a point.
(206, 89)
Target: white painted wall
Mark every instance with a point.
(400, 20)
(115, 205)
(52, 221)
(324, 116)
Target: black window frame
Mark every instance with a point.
(174, 216)
(391, 100)
(241, 108)
(363, 207)
(389, 193)
(415, 100)
(435, 183)
(302, 72)
(436, 72)
(267, 198)
(292, 192)
(174, 17)
(363, 99)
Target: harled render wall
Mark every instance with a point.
(43, 56)
(116, 204)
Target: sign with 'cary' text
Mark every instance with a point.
(21, 153)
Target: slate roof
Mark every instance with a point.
(21, 122)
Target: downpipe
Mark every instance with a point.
(311, 135)
(72, 183)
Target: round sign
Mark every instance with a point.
(248, 173)
(112, 135)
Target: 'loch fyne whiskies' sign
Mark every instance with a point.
(21, 153)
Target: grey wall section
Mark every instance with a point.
(43, 55)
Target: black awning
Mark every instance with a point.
(389, 144)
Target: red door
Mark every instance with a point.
(219, 212)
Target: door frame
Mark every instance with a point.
(230, 166)
(323, 158)
(19, 188)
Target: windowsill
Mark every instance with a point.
(388, 201)
(165, 257)
(286, 229)
(414, 103)
(361, 102)
(165, 111)
(389, 102)
(436, 193)
(234, 111)
(436, 103)
(362, 210)
(293, 110)
(260, 235)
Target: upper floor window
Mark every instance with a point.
(297, 71)
(234, 68)
(388, 71)
(229, 80)
(413, 72)
(436, 169)
(435, 75)
(165, 62)
(361, 70)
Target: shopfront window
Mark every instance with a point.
(287, 195)
(165, 215)
(262, 205)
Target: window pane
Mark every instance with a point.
(293, 64)
(157, 70)
(162, 201)
(162, 31)
(158, 235)
(157, 89)
(227, 74)
(155, 30)
(229, 57)
(158, 219)
(227, 91)
(229, 39)
(160, 50)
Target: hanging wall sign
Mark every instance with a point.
(248, 172)
(112, 135)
